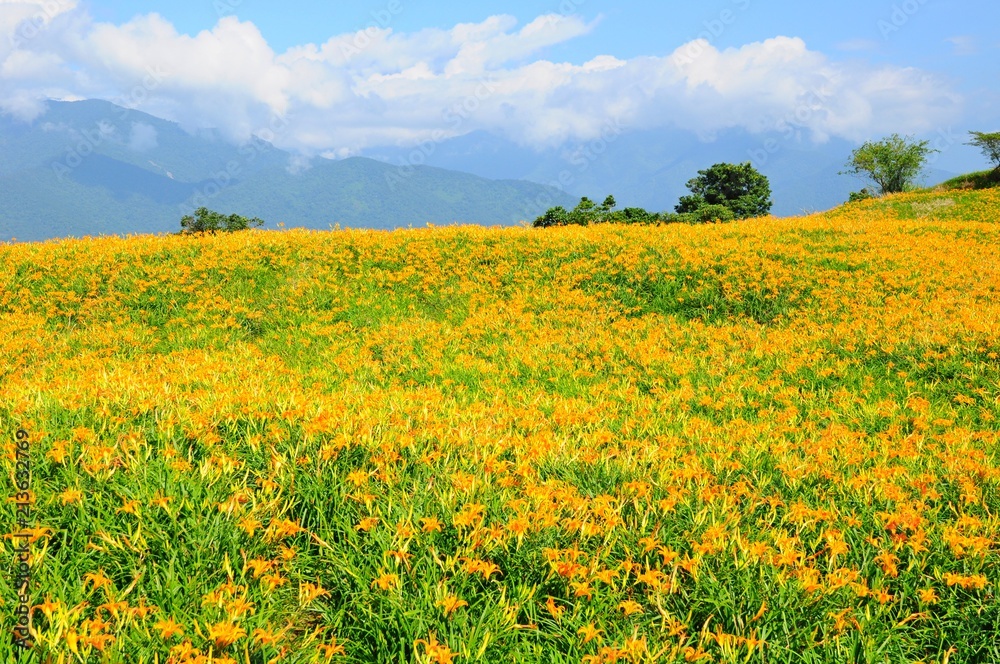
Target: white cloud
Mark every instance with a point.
(298, 164)
(379, 87)
(142, 137)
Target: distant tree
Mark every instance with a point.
(585, 213)
(209, 221)
(637, 215)
(709, 213)
(989, 144)
(857, 196)
(557, 216)
(893, 163)
(740, 188)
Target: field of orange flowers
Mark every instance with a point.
(763, 441)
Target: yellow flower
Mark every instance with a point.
(48, 607)
(401, 557)
(589, 633)
(484, 567)
(98, 579)
(451, 603)
(330, 650)
(555, 610)
(386, 581)
(469, 516)
(358, 477)
(70, 496)
(264, 637)
(367, 524)
(239, 607)
(435, 652)
(168, 629)
(249, 525)
(310, 591)
(430, 524)
(882, 596)
(58, 453)
(629, 607)
(519, 526)
(272, 581)
(606, 576)
(225, 634)
(259, 566)
(280, 529)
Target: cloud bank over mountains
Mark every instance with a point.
(379, 87)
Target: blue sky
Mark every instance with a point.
(350, 76)
(631, 28)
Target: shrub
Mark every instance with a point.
(862, 195)
(708, 213)
(557, 216)
(209, 221)
(585, 213)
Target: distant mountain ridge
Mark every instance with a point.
(92, 168)
(650, 168)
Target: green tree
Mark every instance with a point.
(892, 163)
(989, 144)
(209, 221)
(585, 213)
(741, 188)
(636, 215)
(709, 213)
(556, 216)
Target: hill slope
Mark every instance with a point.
(773, 440)
(89, 168)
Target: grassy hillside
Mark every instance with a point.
(979, 180)
(765, 441)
